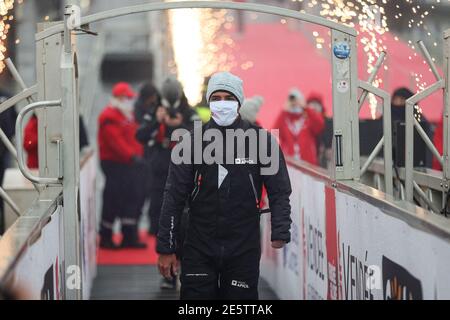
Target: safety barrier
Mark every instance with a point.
(32, 250)
(350, 241)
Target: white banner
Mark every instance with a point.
(345, 248)
(88, 224)
(37, 274)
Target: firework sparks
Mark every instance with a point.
(5, 7)
(371, 18)
(198, 47)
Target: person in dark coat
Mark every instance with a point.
(144, 109)
(149, 98)
(398, 113)
(120, 157)
(174, 112)
(222, 250)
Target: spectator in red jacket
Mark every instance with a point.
(121, 159)
(299, 127)
(438, 143)
(315, 101)
(31, 138)
(30, 142)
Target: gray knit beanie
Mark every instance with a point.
(225, 81)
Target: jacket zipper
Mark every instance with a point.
(254, 191)
(198, 181)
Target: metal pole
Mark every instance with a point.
(427, 141)
(409, 151)
(387, 135)
(9, 201)
(345, 107)
(423, 195)
(372, 156)
(429, 59)
(71, 169)
(446, 115)
(16, 75)
(8, 144)
(372, 76)
(387, 132)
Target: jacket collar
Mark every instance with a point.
(235, 125)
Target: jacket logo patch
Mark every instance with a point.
(243, 161)
(239, 284)
(197, 275)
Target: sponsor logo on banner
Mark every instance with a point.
(356, 275)
(291, 252)
(398, 283)
(48, 288)
(315, 258)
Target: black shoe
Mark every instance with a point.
(108, 244)
(169, 284)
(127, 244)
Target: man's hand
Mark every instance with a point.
(174, 122)
(278, 244)
(168, 265)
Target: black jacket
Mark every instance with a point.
(225, 219)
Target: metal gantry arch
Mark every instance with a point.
(57, 86)
(148, 7)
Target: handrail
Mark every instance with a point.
(19, 142)
(261, 8)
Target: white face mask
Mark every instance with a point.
(127, 105)
(223, 112)
(296, 110)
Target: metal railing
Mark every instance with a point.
(412, 124)
(25, 94)
(385, 142)
(19, 140)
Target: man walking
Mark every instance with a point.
(221, 250)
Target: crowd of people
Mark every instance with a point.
(134, 142)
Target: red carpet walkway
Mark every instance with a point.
(129, 256)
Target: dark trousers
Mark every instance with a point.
(143, 180)
(120, 199)
(215, 278)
